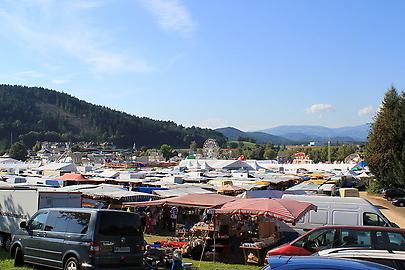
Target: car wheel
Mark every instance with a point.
(401, 204)
(71, 264)
(18, 257)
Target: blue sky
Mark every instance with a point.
(248, 64)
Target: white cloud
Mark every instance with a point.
(69, 35)
(319, 108)
(59, 81)
(366, 111)
(171, 15)
(32, 74)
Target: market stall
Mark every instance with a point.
(251, 222)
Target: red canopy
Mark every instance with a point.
(72, 177)
(190, 200)
(283, 209)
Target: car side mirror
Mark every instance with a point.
(23, 225)
(48, 228)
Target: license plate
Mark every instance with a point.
(122, 249)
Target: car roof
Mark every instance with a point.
(362, 228)
(318, 261)
(354, 252)
(83, 210)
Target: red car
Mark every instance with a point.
(327, 237)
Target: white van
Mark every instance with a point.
(338, 211)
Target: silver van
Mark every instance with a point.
(77, 239)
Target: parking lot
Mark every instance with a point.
(393, 213)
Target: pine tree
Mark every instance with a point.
(385, 150)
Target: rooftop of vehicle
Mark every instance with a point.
(276, 261)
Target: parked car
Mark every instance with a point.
(391, 258)
(393, 193)
(320, 263)
(75, 239)
(381, 238)
(399, 202)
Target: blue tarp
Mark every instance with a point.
(148, 189)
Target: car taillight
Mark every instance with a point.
(94, 248)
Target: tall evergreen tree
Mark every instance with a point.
(385, 150)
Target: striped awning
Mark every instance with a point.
(281, 209)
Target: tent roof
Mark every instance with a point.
(181, 191)
(72, 177)
(229, 187)
(282, 209)
(254, 194)
(190, 200)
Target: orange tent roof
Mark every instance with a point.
(72, 177)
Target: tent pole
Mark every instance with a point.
(213, 220)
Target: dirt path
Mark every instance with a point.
(393, 213)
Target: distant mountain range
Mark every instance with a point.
(234, 134)
(300, 134)
(320, 133)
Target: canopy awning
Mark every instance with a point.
(282, 209)
(72, 177)
(190, 200)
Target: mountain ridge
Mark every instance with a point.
(33, 114)
(357, 133)
(234, 134)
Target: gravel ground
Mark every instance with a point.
(393, 213)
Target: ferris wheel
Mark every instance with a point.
(211, 149)
(353, 158)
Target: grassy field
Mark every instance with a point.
(245, 143)
(6, 263)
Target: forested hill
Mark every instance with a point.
(36, 114)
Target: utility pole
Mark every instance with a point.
(11, 138)
(329, 154)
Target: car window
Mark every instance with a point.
(389, 240)
(56, 222)
(77, 222)
(119, 223)
(355, 238)
(371, 219)
(37, 222)
(318, 240)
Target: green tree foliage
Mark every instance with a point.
(18, 151)
(385, 149)
(34, 114)
(37, 147)
(320, 153)
(193, 146)
(167, 151)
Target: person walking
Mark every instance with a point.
(173, 217)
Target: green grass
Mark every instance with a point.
(6, 263)
(221, 266)
(245, 143)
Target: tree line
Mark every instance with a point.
(31, 114)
